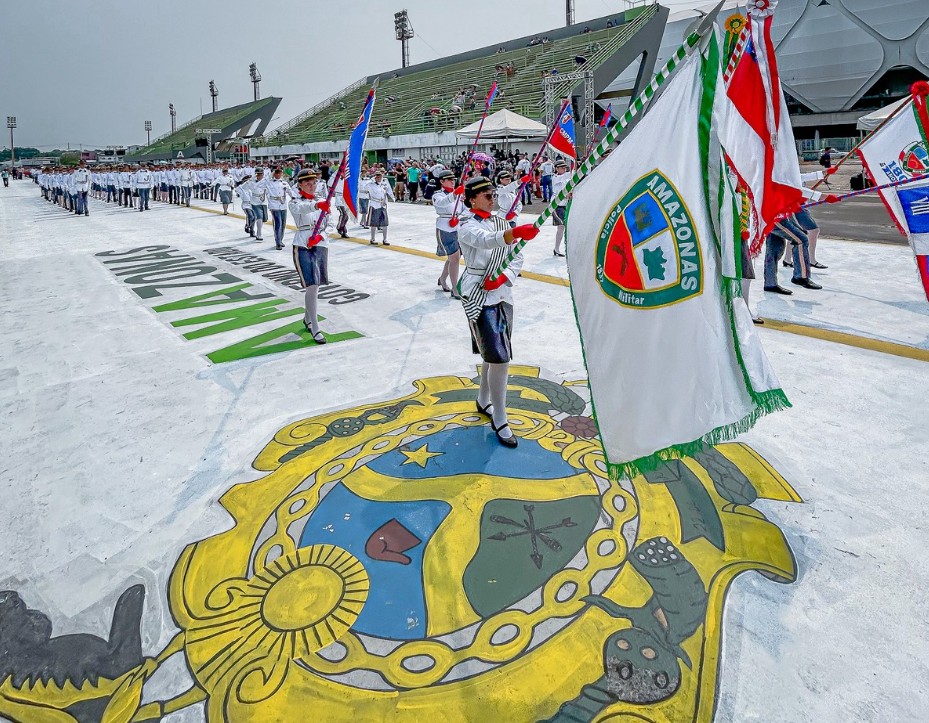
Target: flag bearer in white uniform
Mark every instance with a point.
(484, 240)
(507, 191)
(446, 236)
(378, 193)
(311, 252)
(259, 201)
(81, 180)
(559, 181)
(224, 184)
(186, 178)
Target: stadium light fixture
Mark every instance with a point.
(11, 124)
(403, 30)
(214, 94)
(148, 131)
(256, 79)
(173, 114)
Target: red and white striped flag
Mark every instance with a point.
(755, 132)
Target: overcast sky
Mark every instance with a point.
(91, 72)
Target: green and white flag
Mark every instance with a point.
(673, 360)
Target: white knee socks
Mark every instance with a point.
(559, 236)
(311, 303)
(258, 224)
(497, 378)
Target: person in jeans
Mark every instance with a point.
(546, 171)
(787, 231)
(279, 191)
(258, 197)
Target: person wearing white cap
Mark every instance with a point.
(378, 193)
(311, 250)
(559, 181)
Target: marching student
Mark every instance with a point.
(278, 193)
(443, 201)
(143, 181)
(185, 178)
(378, 193)
(342, 225)
(559, 181)
(224, 184)
(244, 191)
(363, 183)
(507, 191)
(81, 180)
(258, 198)
(311, 253)
(125, 187)
(484, 239)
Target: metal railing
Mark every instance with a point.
(293, 122)
(171, 133)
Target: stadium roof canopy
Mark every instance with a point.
(235, 122)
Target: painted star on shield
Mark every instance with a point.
(419, 456)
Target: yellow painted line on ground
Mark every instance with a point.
(814, 332)
(840, 337)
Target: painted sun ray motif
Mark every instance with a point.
(234, 661)
(213, 632)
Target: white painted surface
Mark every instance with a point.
(119, 436)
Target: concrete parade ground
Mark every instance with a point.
(208, 517)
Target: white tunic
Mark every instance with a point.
(278, 193)
(378, 193)
(444, 203)
(505, 197)
(305, 213)
(559, 182)
(478, 238)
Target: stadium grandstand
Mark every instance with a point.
(235, 124)
(420, 107)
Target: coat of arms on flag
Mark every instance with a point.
(647, 251)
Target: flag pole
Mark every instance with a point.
(469, 162)
(636, 107)
(866, 138)
(538, 156)
(894, 184)
(335, 181)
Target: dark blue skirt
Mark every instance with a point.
(492, 332)
(312, 264)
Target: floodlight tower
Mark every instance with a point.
(173, 114)
(256, 78)
(404, 31)
(11, 124)
(148, 130)
(214, 94)
(569, 13)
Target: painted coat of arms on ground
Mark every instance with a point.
(396, 563)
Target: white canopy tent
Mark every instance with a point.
(872, 120)
(505, 125)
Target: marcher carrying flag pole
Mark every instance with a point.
(895, 184)
(538, 159)
(350, 166)
(459, 189)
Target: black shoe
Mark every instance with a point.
(788, 264)
(558, 253)
(384, 243)
(373, 243)
(279, 246)
(817, 265)
(510, 441)
(442, 286)
(486, 411)
(757, 320)
(778, 290)
(806, 283)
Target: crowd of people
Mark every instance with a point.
(477, 210)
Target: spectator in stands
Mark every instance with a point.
(585, 30)
(609, 23)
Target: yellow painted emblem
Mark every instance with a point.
(396, 563)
